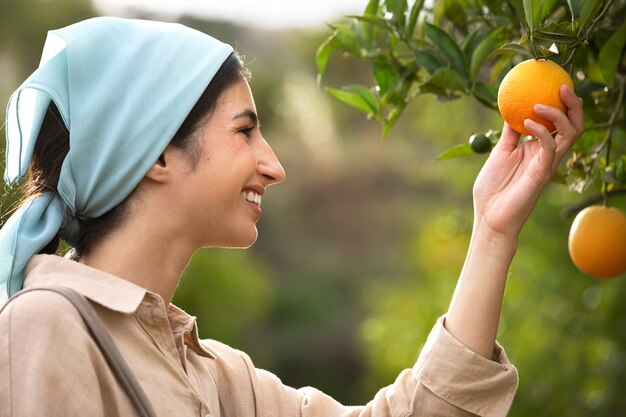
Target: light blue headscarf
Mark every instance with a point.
(123, 88)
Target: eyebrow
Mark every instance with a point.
(248, 114)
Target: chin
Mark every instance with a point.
(243, 245)
(251, 240)
(241, 241)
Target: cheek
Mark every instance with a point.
(245, 159)
(221, 175)
(251, 162)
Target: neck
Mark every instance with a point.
(137, 253)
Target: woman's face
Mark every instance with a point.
(222, 195)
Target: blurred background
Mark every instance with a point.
(361, 246)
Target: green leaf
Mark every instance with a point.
(482, 51)
(500, 68)
(546, 8)
(391, 5)
(457, 151)
(574, 8)
(513, 48)
(429, 88)
(535, 11)
(371, 10)
(457, 15)
(589, 9)
(323, 55)
(531, 13)
(400, 12)
(384, 74)
(555, 36)
(398, 9)
(593, 73)
(486, 94)
(427, 60)
(415, 11)
(447, 78)
(563, 28)
(367, 95)
(345, 39)
(471, 42)
(356, 96)
(392, 117)
(448, 46)
(518, 5)
(438, 11)
(495, 6)
(375, 21)
(610, 54)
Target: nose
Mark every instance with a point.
(268, 165)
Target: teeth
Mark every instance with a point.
(252, 197)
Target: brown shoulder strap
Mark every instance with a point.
(104, 341)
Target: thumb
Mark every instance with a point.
(508, 140)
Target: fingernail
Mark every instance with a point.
(541, 107)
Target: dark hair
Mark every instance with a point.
(52, 146)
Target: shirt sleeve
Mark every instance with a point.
(49, 362)
(457, 376)
(447, 380)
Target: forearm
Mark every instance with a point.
(474, 312)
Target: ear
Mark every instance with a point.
(162, 169)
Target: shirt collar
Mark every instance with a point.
(185, 325)
(103, 288)
(110, 291)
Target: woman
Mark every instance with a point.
(143, 145)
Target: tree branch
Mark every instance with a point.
(570, 211)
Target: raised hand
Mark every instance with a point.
(514, 175)
(505, 194)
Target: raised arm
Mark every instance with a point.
(505, 193)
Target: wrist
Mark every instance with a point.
(492, 241)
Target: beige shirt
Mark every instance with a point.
(50, 366)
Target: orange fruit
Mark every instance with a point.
(534, 81)
(597, 241)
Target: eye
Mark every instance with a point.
(247, 131)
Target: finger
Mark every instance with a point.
(574, 108)
(508, 139)
(567, 132)
(547, 142)
(560, 120)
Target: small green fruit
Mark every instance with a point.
(480, 143)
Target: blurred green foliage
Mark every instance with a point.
(360, 248)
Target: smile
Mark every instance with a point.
(252, 197)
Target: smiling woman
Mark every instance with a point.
(219, 201)
(142, 144)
